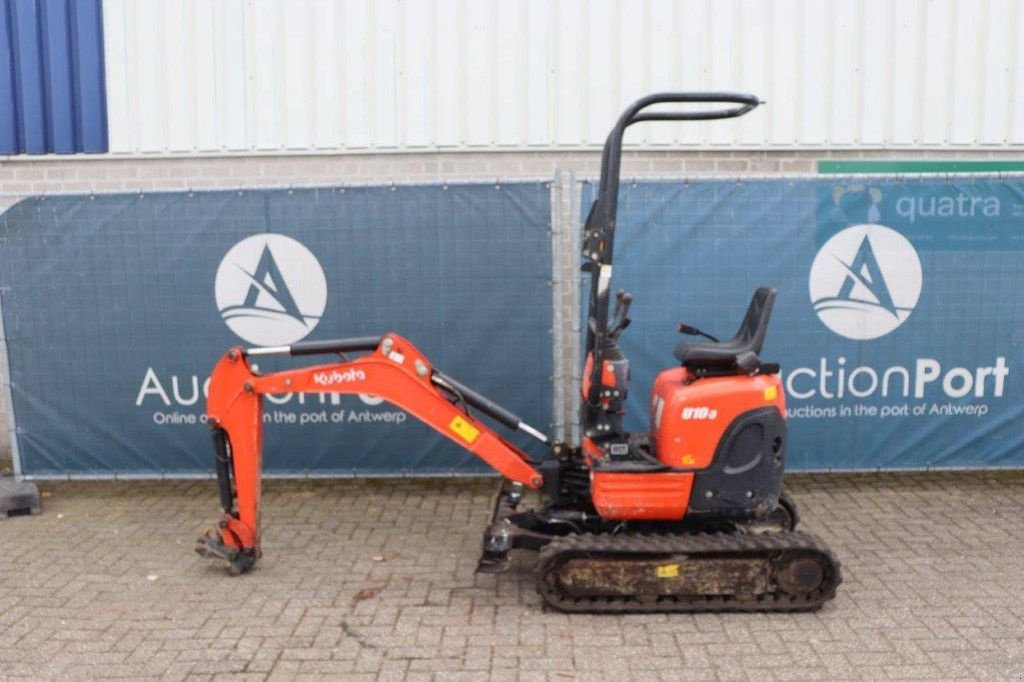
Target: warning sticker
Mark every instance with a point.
(464, 429)
(667, 571)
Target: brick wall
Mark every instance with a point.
(23, 176)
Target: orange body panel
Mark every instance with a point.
(400, 376)
(689, 416)
(591, 450)
(607, 374)
(688, 419)
(641, 497)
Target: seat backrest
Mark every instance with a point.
(755, 323)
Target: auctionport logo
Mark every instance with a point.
(865, 281)
(270, 290)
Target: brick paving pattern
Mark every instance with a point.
(374, 580)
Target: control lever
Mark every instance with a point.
(620, 316)
(693, 331)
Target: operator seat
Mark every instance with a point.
(740, 353)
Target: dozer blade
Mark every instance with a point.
(783, 571)
(493, 564)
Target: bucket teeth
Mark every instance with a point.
(209, 545)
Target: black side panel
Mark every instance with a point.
(744, 480)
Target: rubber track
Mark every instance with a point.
(735, 545)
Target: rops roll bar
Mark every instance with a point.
(611, 155)
(599, 231)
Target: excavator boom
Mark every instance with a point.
(392, 369)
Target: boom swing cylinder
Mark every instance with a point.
(688, 516)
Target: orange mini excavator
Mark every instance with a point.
(690, 516)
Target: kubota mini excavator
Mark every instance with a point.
(690, 516)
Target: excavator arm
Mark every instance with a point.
(392, 369)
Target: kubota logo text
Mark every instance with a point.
(338, 377)
(865, 281)
(270, 290)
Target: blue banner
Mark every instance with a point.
(900, 316)
(116, 308)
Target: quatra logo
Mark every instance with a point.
(270, 290)
(865, 281)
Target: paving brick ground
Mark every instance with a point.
(374, 580)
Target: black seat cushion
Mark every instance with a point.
(741, 351)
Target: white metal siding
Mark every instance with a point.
(391, 75)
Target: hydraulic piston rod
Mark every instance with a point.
(486, 405)
(438, 378)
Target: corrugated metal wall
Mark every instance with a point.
(277, 75)
(51, 77)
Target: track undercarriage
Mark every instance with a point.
(588, 565)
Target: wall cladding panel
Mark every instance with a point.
(52, 96)
(316, 75)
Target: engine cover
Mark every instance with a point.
(689, 416)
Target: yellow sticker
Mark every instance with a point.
(464, 429)
(771, 393)
(667, 571)
(689, 460)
